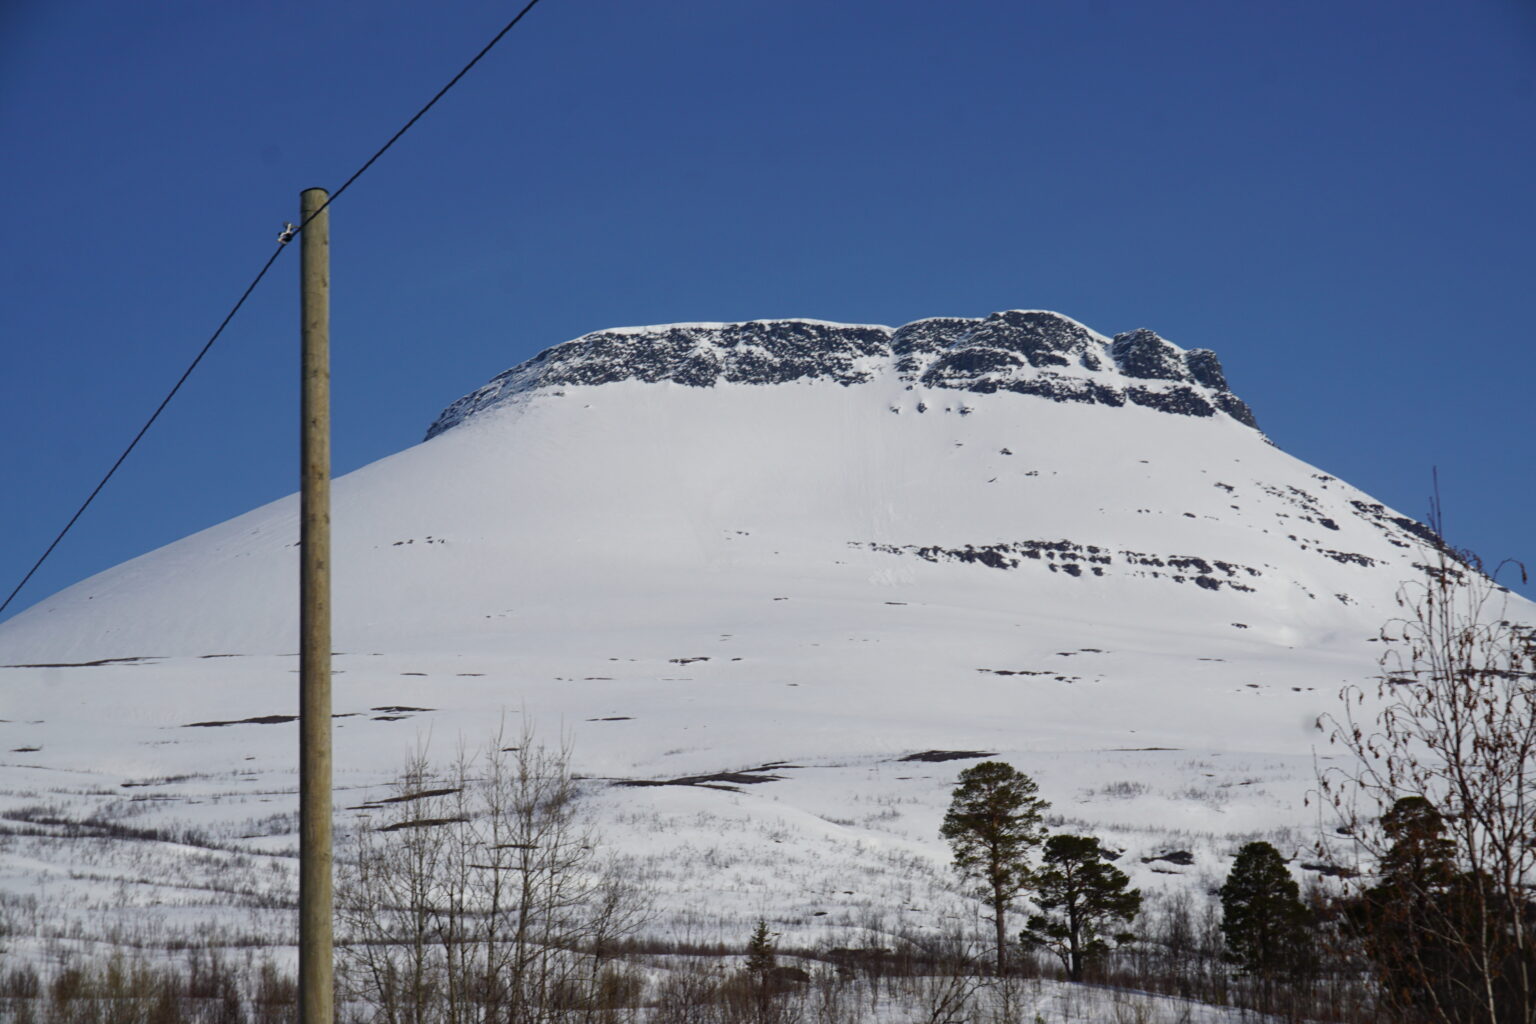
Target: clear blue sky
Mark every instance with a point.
(1335, 196)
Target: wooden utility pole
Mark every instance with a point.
(316, 984)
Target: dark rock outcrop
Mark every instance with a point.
(1026, 352)
(1145, 356)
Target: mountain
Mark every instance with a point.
(767, 564)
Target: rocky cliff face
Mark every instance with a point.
(1027, 352)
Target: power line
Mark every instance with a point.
(147, 423)
(418, 115)
(251, 288)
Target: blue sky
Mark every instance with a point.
(1335, 196)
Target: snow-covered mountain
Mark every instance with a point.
(793, 551)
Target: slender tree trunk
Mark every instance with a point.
(999, 921)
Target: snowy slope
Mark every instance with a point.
(709, 547)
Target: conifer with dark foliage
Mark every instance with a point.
(993, 824)
(1084, 899)
(761, 958)
(1417, 922)
(1264, 922)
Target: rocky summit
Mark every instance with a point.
(1028, 352)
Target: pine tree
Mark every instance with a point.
(992, 825)
(1421, 859)
(1083, 898)
(1263, 919)
(1416, 920)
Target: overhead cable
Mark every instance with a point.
(289, 232)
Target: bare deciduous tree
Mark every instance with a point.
(478, 894)
(1451, 724)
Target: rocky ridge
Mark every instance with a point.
(1029, 352)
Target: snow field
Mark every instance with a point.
(806, 581)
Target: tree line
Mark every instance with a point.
(1436, 808)
(1086, 904)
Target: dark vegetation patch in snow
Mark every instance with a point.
(91, 664)
(420, 823)
(730, 781)
(406, 798)
(1181, 857)
(278, 719)
(163, 780)
(42, 822)
(257, 720)
(948, 755)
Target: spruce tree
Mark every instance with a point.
(993, 824)
(1084, 899)
(761, 957)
